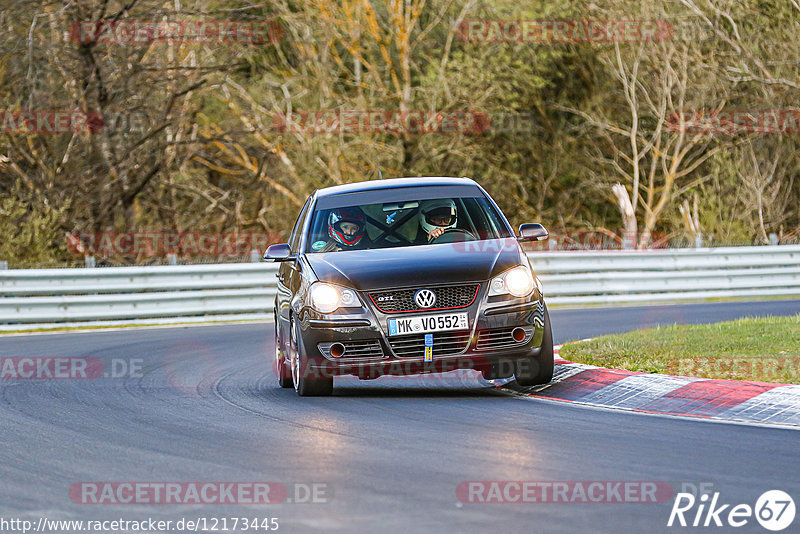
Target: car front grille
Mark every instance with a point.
(367, 348)
(447, 297)
(444, 344)
(501, 338)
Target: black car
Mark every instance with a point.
(406, 276)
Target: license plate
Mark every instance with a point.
(428, 323)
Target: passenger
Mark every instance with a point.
(347, 230)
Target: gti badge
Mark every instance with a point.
(425, 298)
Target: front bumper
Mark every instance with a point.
(371, 352)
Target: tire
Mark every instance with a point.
(306, 383)
(538, 370)
(282, 371)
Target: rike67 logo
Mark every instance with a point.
(774, 510)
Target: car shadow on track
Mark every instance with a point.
(397, 391)
(433, 385)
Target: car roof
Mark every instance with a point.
(393, 183)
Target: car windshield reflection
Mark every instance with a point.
(404, 224)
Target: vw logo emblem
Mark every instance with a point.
(425, 298)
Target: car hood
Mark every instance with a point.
(417, 265)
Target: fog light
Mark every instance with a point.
(518, 334)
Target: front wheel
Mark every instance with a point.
(537, 370)
(307, 382)
(279, 364)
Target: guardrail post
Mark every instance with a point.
(89, 261)
(629, 240)
(255, 256)
(172, 259)
(698, 241)
(773, 240)
(3, 265)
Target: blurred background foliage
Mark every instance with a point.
(190, 139)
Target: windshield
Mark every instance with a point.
(403, 222)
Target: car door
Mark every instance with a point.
(287, 273)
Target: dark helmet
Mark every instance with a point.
(350, 215)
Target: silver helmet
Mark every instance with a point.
(437, 209)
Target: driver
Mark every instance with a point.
(437, 216)
(347, 230)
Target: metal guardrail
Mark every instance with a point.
(664, 275)
(39, 298)
(36, 297)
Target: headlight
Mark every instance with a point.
(326, 298)
(517, 282)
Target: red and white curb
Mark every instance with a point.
(720, 400)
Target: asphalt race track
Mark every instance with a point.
(391, 452)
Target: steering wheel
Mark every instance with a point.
(450, 235)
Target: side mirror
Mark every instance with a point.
(532, 232)
(278, 252)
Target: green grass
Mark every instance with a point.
(687, 300)
(760, 349)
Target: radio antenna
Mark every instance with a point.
(380, 176)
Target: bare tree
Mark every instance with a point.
(656, 158)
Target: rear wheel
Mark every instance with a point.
(282, 370)
(307, 382)
(539, 369)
